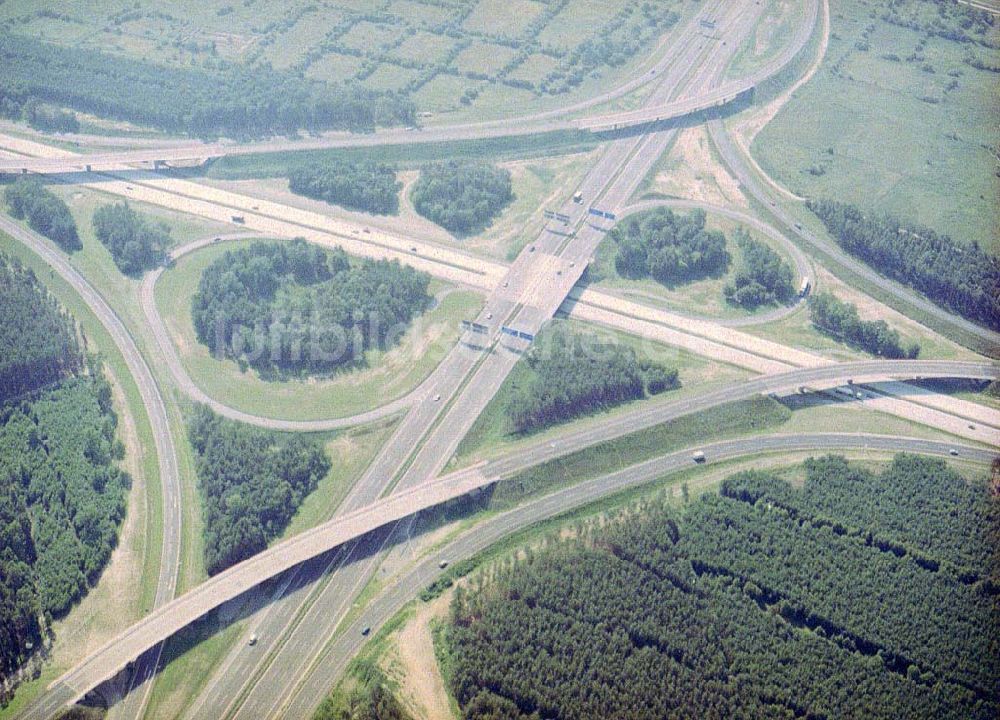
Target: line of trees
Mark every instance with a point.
(46, 212)
(251, 481)
(462, 197)
(763, 278)
(732, 608)
(963, 279)
(38, 344)
(136, 243)
(841, 320)
(292, 307)
(234, 100)
(368, 186)
(574, 374)
(670, 248)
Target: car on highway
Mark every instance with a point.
(437, 397)
(443, 564)
(366, 631)
(953, 452)
(253, 640)
(698, 456)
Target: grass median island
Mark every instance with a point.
(660, 603)
(388, 374)
(697, 264)
(294, 309)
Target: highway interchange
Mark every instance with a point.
(285, 677)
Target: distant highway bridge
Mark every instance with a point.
(168, 619)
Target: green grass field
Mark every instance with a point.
(389, 375)
(914, 137)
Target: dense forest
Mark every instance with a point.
(462, 197)
(62, 495)
(135, 242)
(251, 481)
(575, 374)
(62, 501)
(840, 319)
(292, 307)
(46, 213)
(670, 248)
(763, 278)
(38, 344)
(368, 186)
(764, 601)
(231, 100)
(963, 279)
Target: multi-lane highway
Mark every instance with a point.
(284, 678)
(235, 581)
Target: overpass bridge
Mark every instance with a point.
(168, 619)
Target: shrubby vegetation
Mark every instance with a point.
(670, 248)
(462, 197)
(294, 307)
(46, 213)
(232, 99)
(135, 242)
(371, 698)
(840, 319)
(367, 186)
(38, 344)
(251, 481)
(765, 601)
(964, 279)
(763, 278)
(16, 104)
(576, 374)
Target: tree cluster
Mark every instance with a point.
(670, 248)
(294, 307)
(575, 374)
(251, 481)
(840, 319)
(368, 186)
(135, 242)
(764, 277)
(234, 100)
(740, 607)
(38, 344)
(62, 500)
(46, 213)
(963, 279)
(462, 197)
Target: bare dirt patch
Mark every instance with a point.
(691, 171)
(413, 664)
